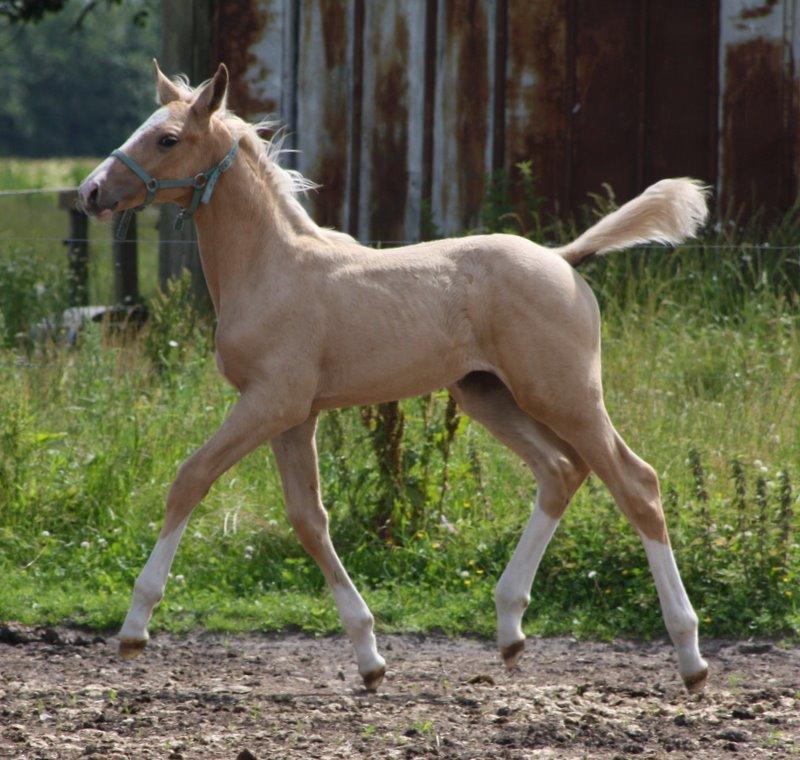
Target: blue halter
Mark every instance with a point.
(203, 184)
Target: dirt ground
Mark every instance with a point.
(65, 694)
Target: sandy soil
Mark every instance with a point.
(64, 694)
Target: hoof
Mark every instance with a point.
(372, 680)
(128, 649)
(696, 682)
(511, 653)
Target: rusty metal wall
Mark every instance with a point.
(402, 108)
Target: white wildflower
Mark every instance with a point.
(447, 525)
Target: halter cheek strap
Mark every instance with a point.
(203, 184)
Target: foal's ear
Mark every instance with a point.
(166, 90)
(212, 96)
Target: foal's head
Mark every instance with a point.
(180, 139)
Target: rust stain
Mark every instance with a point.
(389, 140)
(605, 115)
(759, 11)
(755, 170)
(238, 25)
(536, 94)
(467, 37)
(640, 93)
(334, 31)
(331, 169)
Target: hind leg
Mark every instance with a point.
(634, 486)
(559, 472)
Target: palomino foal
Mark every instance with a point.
(308, 320)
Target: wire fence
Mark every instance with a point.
(164, 241)
(396, 243)
(115, 272)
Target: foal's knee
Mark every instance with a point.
(191, 484)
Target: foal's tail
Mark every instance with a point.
(668, 212)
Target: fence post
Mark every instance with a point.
(178, 251)
(187, 32)
(126, 263)
(77, 249)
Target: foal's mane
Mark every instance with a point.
(266, 151)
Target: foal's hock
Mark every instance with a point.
(309, 319)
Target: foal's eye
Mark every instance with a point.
(167, 141)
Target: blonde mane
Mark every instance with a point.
(267, 151)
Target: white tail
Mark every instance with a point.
(668, 212)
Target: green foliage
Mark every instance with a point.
(177, 329)
(32, 174)
(33, 11)
(76, 91)
(30, 291)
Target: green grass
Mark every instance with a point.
(701, 370)
(91, 439)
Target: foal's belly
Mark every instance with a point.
(391, 376)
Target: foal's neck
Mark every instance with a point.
(248, 225)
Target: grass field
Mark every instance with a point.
(701, 370)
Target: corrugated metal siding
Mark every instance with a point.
(607, 91)
(538, 95)
(392, 115)
(680, 90)
(323, 83)
(402, 108)
(757, 147)
(463, 113)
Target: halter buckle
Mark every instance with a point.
(199, 181)
(151, 184)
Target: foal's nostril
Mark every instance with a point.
(87, 195)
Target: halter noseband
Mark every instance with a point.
(203, 184)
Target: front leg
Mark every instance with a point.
(296, 456)
(253, 420)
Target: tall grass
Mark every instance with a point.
(701, 371)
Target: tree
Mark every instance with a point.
(33, 11)
(76, 91)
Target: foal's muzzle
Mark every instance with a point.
(93, 201)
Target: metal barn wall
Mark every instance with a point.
(402, 108)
